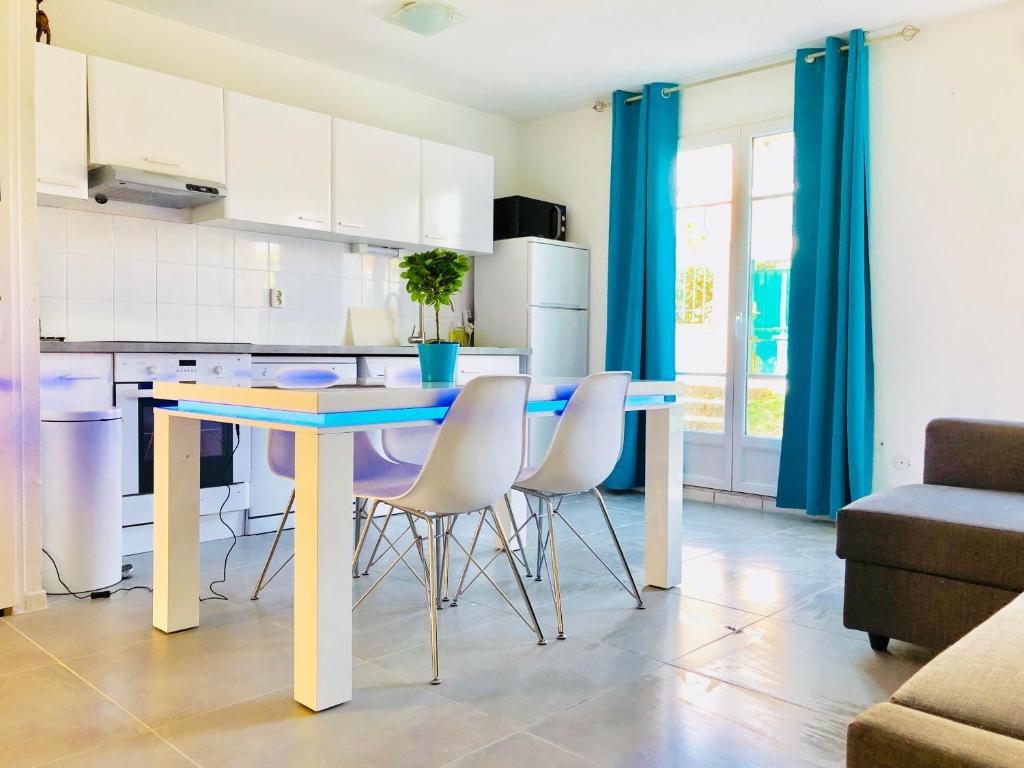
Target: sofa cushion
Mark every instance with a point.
(891, 736)
(979, 679)
(961, 533)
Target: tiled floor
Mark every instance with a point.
(745, 664)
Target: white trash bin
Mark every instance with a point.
(81, 498)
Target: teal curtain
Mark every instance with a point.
(642, 253)
(827, 442)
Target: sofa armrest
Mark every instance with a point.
(973, 453)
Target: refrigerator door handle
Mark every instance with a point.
(555, 305)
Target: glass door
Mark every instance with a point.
(734, 248)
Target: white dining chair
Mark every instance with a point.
(475, 458)
(371, 472)
(586, 444)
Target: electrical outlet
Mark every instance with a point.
(900, 462)
(276, 298)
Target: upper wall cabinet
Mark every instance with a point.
(279, 164)
(376, 184)
(61, 133)
(457, 193)
(152, 121)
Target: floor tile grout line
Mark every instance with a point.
(481, 749)
(106, 696)
(584, 758)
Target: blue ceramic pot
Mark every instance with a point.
(437, 361)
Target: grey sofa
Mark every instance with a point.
(962, 710)
(927, 563)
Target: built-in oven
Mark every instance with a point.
(224, 450)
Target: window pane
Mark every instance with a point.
(766, 399)
(773, 165)
(705, 175)
(702, 288)
(704, 403)
(771, 250)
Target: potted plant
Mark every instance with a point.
(432, 278)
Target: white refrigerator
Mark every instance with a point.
(534, 293)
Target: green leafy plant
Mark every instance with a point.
(432, 278)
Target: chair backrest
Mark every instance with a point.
(281, 453)
(409, 445)
(478, 452)
(588, 439)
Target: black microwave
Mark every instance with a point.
(519, 216)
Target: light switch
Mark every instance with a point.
(276, 298)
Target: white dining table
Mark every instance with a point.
(324, 421)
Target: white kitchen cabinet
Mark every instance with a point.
(156, 122)
(376, 184)
(61, 129)
(457, 194)
(279, 164)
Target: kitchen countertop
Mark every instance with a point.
(196, 348)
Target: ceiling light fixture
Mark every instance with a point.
(425, 17)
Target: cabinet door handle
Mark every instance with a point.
(158, 161)
(56, 182)
(310, 218)
(436, 237)
(349, 224)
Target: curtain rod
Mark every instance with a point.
(909, 32)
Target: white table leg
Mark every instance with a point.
(663, 499)
(323, 569)
(175, 522)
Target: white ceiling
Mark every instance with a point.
(530, 58)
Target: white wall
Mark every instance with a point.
(947, 258)
(947, 255)
(102, 28)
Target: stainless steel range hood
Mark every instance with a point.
(130, 185)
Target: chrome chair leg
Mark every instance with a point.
(519, 538)
(432, 596)
(360, 509)
(519, 579)
(618, 548)
(446, 560)
(273, 548)
(376, 546)
(465, 566)
(540, 539)
(554, 569)
(363, 534)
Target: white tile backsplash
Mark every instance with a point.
(90, 277)
(53, 280)
(134, 238)
(90, 234)
(284, 254)
(134, 321)
(90, 320)
(251, 288)
(285, 326)
(292, 285)
(215, 324)
(175, 322)
(176, 283)
(251, 250)
(317, 257)
(215, 286)
(250, 325)
(132, 278)
(53, 317)
(175, 242)
(215, 246)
